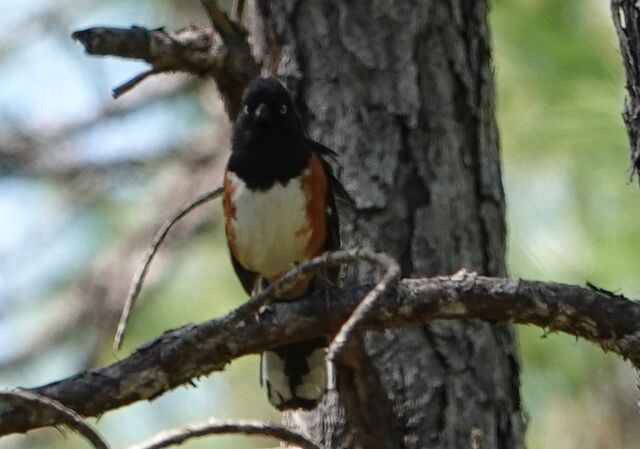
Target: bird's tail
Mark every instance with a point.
(296, 375)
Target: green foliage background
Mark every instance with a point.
(573, 215)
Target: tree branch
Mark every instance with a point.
(42, 406)
(180, 355)
(138, 279)
(220, 21)
(214, 427)
(389, 278)
(133, 82)
(225, 56)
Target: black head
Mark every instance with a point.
(268, 135)
(267, 101)
(267, 117)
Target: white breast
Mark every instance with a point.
(271, 227)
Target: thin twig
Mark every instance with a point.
(118, 91)
(213, 427)
(138, 279)
(61, 414)
(309, 266)
(390, 278)
(238, 10)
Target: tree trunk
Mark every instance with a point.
(403, 91)
(626, 20)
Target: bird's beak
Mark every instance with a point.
(262, 113)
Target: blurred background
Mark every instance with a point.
(86, 180)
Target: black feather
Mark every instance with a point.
(247, 278)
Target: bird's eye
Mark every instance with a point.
(245, 109)
(283, 109)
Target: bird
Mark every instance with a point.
(279, 205)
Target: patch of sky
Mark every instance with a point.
(15, 11)
(42, 243)
(156, 128)
(40, 91)
(58, 363)
(115, 13)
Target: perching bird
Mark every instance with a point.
(279, 208)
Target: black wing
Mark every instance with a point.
(247, 278)
(335, 191)
(333, 235)
(336, 188)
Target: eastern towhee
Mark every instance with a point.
(279, 209)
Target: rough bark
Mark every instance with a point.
(403, 90)
(181, 355)
(626, 20)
